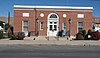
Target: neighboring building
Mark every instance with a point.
(52, 19)
(5, 19)
(96, 23)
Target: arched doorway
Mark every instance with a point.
(53, 24)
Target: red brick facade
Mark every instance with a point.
(33, 14)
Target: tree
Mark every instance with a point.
(1, 24)
(1, 34)
(7, 26)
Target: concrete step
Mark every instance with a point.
(45, 38)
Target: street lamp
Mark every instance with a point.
(37, 21)
(70, 20)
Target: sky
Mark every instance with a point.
(7, 5)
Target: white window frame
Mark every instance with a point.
(80, 26)
(80, 15)
(25, 14)
(23, 26)
(63, 25)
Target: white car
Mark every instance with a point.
(1, 28)
(97, 29)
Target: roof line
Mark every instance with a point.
(53, 7)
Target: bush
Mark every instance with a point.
(1, 34)
(83, 33)
(79, 36)
(21, 35)
(18, 36)
(14, 37)
(88, 35)
(9, 33)
(89, 31)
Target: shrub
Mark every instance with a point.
(7, 26)
(1, 34)
(89, 31)
(14, 37)
(79, 36)
(21, 35)
(18, 36)
(88, 35)
(9, 33)
(83, 33)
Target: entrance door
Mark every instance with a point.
(53, 28)
(53, 24)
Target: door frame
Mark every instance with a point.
(52, 20)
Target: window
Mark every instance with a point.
(64, 15)
(41, 25)
(55, 22)
(50, 22)
(53, 16)
(80, 15)
(42, 15)
(63, 26)
(55, 27)
(25, 26)
(50, 26)
(25, 14)
(80, 26)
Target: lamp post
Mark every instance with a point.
(70, 20)
(37, 21)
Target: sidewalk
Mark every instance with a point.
(51, 41)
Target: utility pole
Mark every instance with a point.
(9, 33)
(35, 21)
(8, 18)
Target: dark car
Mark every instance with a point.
(95, 35)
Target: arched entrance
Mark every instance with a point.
(53, 24)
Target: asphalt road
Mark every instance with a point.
(51, 51)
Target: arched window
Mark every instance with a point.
(53, 16)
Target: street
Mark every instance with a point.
(49, 51)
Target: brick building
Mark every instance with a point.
(96, 24)
(48, 20)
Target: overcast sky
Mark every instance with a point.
(7, 5)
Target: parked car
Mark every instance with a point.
(95, 35)
(1, 28)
